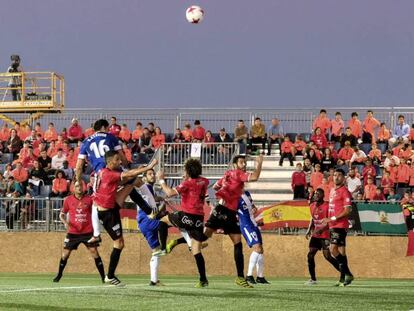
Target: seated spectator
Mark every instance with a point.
(387, 183)
(32, 137)
(274, 135)
(208, 139)
(3, 186)
(403, 174)
(286, 151)
(353, 183)
(25, 131)
(337, 126)
(59, 142)
(158, 139)
(37, 177)
(50, 134)
(39, 140)
(223, 137)
(137, 133)
(127, 152)
(383, 134)
(67, 171)
(340, 164)
(308, 170)
(14, 143)
(406, 152)
(375, 154)
(198, 132)
(90, 184)
(29, 159)
(75, 132)
(45, 161)
(393, 197)
(348, 136)
(390, 158)
(370, 189)
(323, 122)
(64, 134)
(311, 155)
(331, 176)
(355, 126)
(319, 139)
(299, 146)
(58, 159)
(299, 183)
(379, 195)
(406, 204)
(328, 161)
(368, 171)
(178, 136)
(241, 134)
(114, 128)
(8, 171)
(411, 136)
(89, 131)
(125, 134)
(4, 133)
(52, 150)
(398, 148)
(72, 158)
(24, 151)
(59, 185)
(257, 134)
(38, 129)
(358, 157)
(411, 179)
(187, 133)
(145, 142)
(20, 174)
(151, 128)
(401, 132)
(316, 177)
(346, 153)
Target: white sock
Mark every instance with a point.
(186, 236)
(154, 263)
(260, 265)
(252, 262)
(95, 221)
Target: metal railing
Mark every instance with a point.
(215, 157)
(32, 91)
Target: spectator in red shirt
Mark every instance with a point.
(137, 133)
(387, 183)
(379, 196)
(286, 151)
(370, 124)
(29, 159)
(187, 133)
(370, 189)
(299, 183)
(158, 139)
(4, 133)
(50, 134)
(337, 126)
(322, 122)
(60, 185)
(316, 177)
(198, 132)
(346, 153)
(64, 134)
(355, 125)
(127, 152)
(125, 134)
(368, 171)
(20, 174)
(403, 174)
(299, 146)
(319, 139)
(75, 132)
(89, 131)
(114, 128)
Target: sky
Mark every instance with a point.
(265, 53)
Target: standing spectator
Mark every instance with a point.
(387, 184)
(198, 132)
(137, 133)
(258, 134)
(286, 152)
(145, 142)
(274, 134)
(337, 126)
(348, 136)
(322, 122)
(368, 171)
(114, 128)
(383, 134)
(299, 183)
(370, 124)
(45, 161)
(75, 132)
(127, 152)
(14, 144)
(125, 134)
(50, 134)
(319, 139)
(353, 183)
(326, 186)
(379, 195)
(58, 159)
(308, 170)
(89, 131)
(316, 177)
(59, 185)
(370, 189)
(401, 131)
(355, 125)
(4, 133)
(20, 174)
(158, 139)
(403, 174)
(151, 128)
(187, 133)
(241, 134)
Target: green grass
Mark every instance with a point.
(85, 292)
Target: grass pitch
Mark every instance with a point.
(86, 293)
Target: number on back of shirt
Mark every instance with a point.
(99, 149)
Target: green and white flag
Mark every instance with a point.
(381, 218)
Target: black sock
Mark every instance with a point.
(99, 265)
(331, 259)
(345, 260)
(62, 265)
(311, 265)
(163, 234)
(113, 262)
(340, 260)
(181, 241)
(201, 265)
(238, 258)
(139, 200)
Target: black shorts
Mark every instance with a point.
(338, 236)
(318, 243)
(225, 219)
(193, 224)
(72, 241)
(111, 221)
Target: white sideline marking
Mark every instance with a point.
(39, 289)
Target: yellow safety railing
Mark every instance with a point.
(31, 91)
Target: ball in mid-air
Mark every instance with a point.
(194, 14)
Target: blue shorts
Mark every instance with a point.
(149, 228)
(252, 235)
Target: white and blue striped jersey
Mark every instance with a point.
(246, 217)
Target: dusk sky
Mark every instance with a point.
(268, 53)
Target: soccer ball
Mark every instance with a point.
(194, 14)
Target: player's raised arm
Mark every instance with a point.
(79, 168)
(170, 192)
(135, 172)
(256, 173)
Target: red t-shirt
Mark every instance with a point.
(114, 129)
(231, 187)
(193, 193)
(80, 221)
(338, 199)
(318, 213)
(106, 186)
